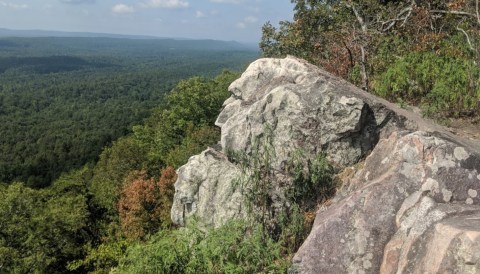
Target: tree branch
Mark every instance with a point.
(466, 35)
(359, 18)
(455, 12)
(392, 22)
(478, 13)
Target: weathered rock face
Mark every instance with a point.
(304, 108)
(301, 108)
(205, 188)
(411, 206)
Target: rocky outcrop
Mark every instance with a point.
(409, 202)
(206, 189)
(301, 108)
(411, 208)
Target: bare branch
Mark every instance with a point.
(455, 12)
(478, 13)
(358, 16)
(391, 23)
(407, 16)
(466, 35)
(400, 17)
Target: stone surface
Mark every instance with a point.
(205, 188)
(304, 108)
(409, 201)
(394, 214)
(301, 108)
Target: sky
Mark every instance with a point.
(239, 20)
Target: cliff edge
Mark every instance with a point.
(409, 196)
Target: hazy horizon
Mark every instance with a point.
(228, 20)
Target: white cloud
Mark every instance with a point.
(13, 6)
(199, 14)
(241, 25)
(251, 19)
(227, 1)
(172, 4)
(77, 1)
(122, 8)
(247, 21)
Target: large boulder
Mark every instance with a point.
(409, 202)
(205, 189)
(412, 207)
(299, 108)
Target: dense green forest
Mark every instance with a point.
(63, 99)
(88, 213)
(86, 123)
(93, 130)
(115, 215)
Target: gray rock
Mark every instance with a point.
(206, 188)
(413, 190)
(304, 108)
(300, 107)
(411, 208)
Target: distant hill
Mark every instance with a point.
(9, 33)
(47, 33)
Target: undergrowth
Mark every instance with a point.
(279, 219)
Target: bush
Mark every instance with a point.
(236, 247)
(442, 85)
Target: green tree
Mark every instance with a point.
(41, 230)
(373, 42)
(115, 163)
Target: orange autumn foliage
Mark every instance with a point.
(144, 204)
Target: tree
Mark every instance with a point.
(116, 162)
(42, 230)
(144, 205)
(374, 42)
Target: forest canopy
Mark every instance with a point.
(89, 216)
(63, 99)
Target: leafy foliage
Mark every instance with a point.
(235, 247)
(101, 258)
(63, 99)
(193, 104)
(171, 135)
(115, 163)
(263, 244)
(132, 201)
(312, 180)
(439, 82)
(85, 220)
(144, 204)
(193, 143)
(420, 52)
(41, 230)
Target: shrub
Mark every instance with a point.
(442, 85)
(236, 247)
(144, 205)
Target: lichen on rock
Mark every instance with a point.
(414, 194)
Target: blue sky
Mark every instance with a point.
(239, 20)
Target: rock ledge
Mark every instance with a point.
(413, 206)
